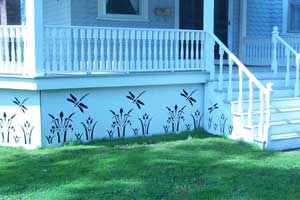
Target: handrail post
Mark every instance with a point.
(274, 65)
(267, 133)
(229, 89)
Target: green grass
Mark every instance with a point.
(187, 166)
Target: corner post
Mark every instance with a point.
(267, 131)
(208, 26)
(274, 65)
(34, 36)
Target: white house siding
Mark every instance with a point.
(263, 15)
(57, 12)
(85, 13)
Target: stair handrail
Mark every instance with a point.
(264, 91)
(289, 51)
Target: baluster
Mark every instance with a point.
(250, 107)
(54, 50)
(89, 35)
(149, 61)
(144, 58)
(182, 49)
(155, 38)
(12, 36)
(6, 49)
(229, 90)
(138, 50)
(166, 53)
(121, 60)
(132, 48)
(177, 64)
(240, 98)
(161, 61)
(261, 115)
(68, 34)
(76, 59)
(268, 114)
(171, 63)
(202, 53)
(108, 44)
(297, 76)
(19, 50)
(114, 56)
(192, 50)
(61, 51)
(102, 58)
(96, 49)
(287, 74)
(221, 53)
(83, 50)
(197, 38)
(126, 37)
(187, 50)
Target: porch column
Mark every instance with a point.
(34, 56)
(208, 26)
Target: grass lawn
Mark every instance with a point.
(187, 166)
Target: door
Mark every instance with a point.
(191, 17)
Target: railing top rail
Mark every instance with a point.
(122, 28)
(241, 65)
(12, 26)
(288, 46)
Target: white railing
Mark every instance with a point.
(12, 47)
(290, 55)
(258, 50)
(254, 85)
(94, 49)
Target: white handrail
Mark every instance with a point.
(290, 52)
(264, 91)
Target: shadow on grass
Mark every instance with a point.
(192, 165)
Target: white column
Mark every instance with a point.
(34, 56)
(208, 26)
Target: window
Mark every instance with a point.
(123, 9)
(293, 22)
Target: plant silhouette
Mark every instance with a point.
(175, 117)
(6, 127)
(27, 130)
(197, 118)
(120, 121)
(61, 126)
(145, 123)
(89, 127)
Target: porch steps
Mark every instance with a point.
(284, 112)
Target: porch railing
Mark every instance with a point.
(254, 85)
(12, 45)
(93, 49)
(258, 50)
(290, 56)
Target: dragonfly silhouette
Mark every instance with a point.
(136, 100)
(78, 102)
(188, 96)
(213, 107)
(21, 104)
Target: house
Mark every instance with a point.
(85, 70)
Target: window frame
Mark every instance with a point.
(143, 16)
(286, 17)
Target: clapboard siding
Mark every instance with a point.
(57, 12)
(263, 15)
(84, 13)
